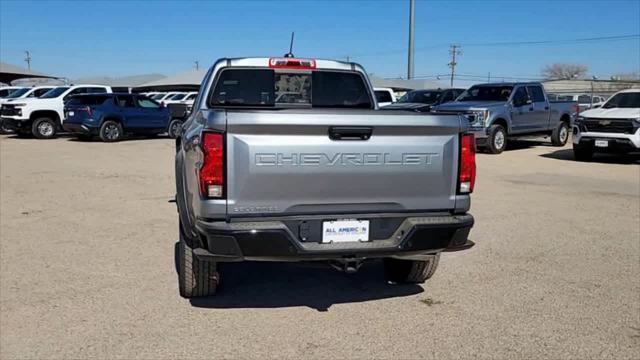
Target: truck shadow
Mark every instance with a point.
(604, 158)
(315, 285)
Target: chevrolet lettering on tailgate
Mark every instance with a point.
(338, 159)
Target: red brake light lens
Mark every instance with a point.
(467, 178)
(292, 63)
(211, 173)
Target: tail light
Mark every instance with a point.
(211, 173)
(467, 178)
(292, 63)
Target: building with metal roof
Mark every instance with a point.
(9, 73)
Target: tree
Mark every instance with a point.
(564, 71)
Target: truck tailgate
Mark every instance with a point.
(286, 162)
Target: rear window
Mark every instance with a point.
(487, 93)
(584, 99)
(383, 96)
(268, 88)
(86, 100)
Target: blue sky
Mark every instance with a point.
(117, 38)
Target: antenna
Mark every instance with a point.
(290, 53)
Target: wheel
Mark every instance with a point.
(174, 128)
(195, 277)
(497, 140)
(560, 134)
(44, 128)
(110, 131)
(582, 152)
(411, 271)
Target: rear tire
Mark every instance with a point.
(411, 271)
(582, 153)
(560, 134)
(497, 139)
(173, 130)
(44, 128)
(195, 277)
(110, 131)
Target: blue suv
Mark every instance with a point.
(111, 116)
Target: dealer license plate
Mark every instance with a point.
(602, 143)
(345, 231)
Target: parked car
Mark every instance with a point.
(176, 98)
(43, 117)
(585, 101)
(158, 96)
(166, 96)
(112, 116)
(22, 93)
(188, 100)
(499, 110)
(327, 178)
(6, 90)
(385, 96)
(614, 127)
(424, 100)
(25, 93)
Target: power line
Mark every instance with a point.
(511, 43)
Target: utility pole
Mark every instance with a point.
(348, 58)
(28, 59)
(197, 64)
(489, 77)
(455, 50)
(411, 21)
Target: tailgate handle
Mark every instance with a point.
(350, 133)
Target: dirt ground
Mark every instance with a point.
(87, 237)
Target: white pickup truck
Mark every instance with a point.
(43, 117)
(614, 127)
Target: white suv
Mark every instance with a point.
(43, 116)
(614, 127)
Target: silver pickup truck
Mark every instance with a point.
(497, 111)
(286, 159)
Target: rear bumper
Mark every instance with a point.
(298, 239)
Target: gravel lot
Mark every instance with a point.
(86, 268)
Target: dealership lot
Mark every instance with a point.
(86, 268)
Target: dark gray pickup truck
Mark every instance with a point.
(286, 159)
